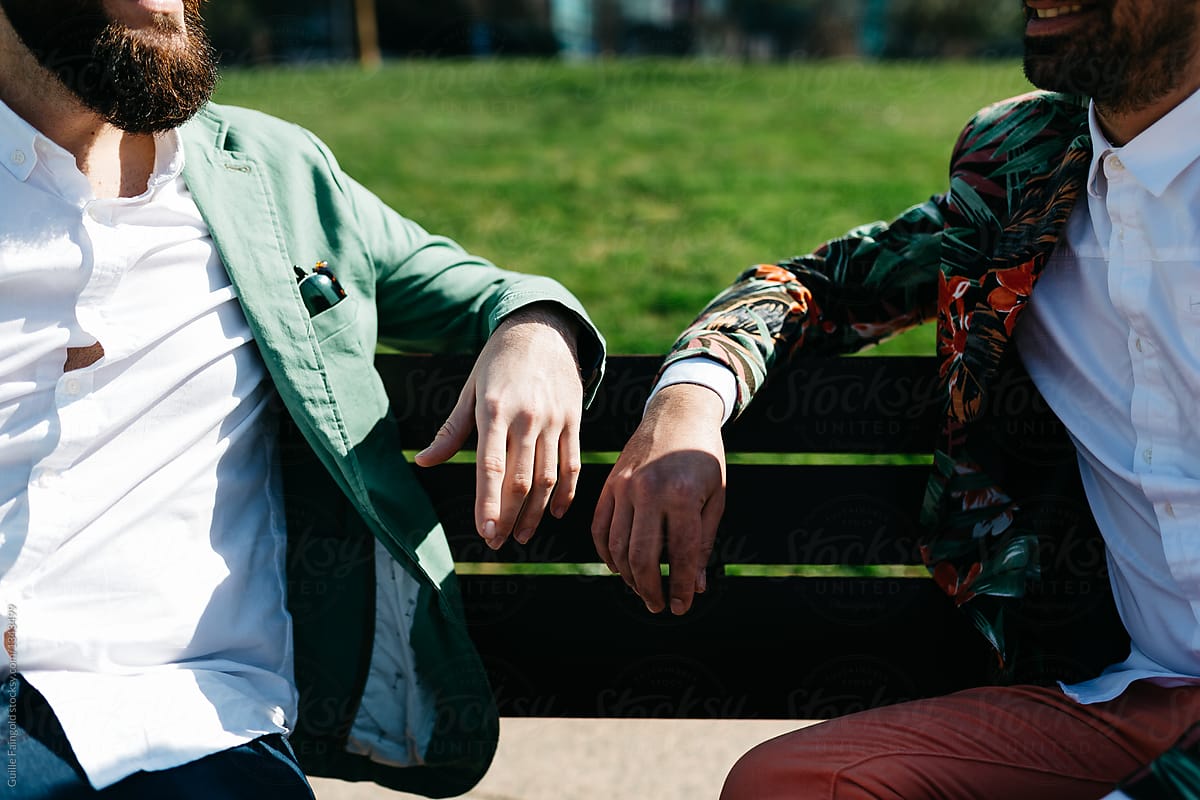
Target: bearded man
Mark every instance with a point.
(160, 320)
(1067, 244)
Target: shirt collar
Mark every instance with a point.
(168, 157)
(18, 143)
(1156, 156)
(21, 145)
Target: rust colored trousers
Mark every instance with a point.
(1015, 743)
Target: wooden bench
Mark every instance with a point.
(562, 637)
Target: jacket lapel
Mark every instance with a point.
(982, 299)
(236, 199)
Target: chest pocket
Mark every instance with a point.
(335, 320)
(350, 365)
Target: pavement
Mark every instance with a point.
(601, 759)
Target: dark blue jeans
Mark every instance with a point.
(40, 765)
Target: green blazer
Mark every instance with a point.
(391, 687)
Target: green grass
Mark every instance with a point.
(644, 187)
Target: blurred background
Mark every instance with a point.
(270, 31)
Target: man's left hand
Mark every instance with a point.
(525, 396)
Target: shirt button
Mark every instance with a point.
(72, 386)
(1148, 454)
(1116, 163)
(18, 157)
(1170, 509)
(1138, 344)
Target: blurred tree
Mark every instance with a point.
(366, 28)
(933, 28)
(263, 31)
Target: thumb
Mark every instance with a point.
(453, 433)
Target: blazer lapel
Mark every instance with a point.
(236, 199)
(979, 307)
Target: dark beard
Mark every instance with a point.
(139, 81)
(1123, 67)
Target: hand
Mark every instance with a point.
(669, 479)
(525, 396)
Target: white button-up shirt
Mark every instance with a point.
(1112, 339)
(141, 528)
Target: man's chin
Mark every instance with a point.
(1051, 63)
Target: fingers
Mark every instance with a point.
(710, 518)
(689, 552)
(644, 553)
(687, 558)
(629, 538)
(538, 487)
(618, 542)
(569, 466)
(602, 523)
(490, 464)
(454, 431)
(519, 469)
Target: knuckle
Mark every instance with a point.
(619, 549)
(646, 484)
(643, 555)
(682, 502)
(670, 491)
(681, 484)
(519, 486)
(492, 405)
(546, 481)
(492, 466)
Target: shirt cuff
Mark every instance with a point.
(702, 371)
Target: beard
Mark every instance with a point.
(145, 81)
(1126, 59)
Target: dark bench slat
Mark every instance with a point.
(802, 648)
(775, 514)
(751, 647)
(873, 405)
(879, 405)
(761, 648)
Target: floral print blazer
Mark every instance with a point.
(970, 258)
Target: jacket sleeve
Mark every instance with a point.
(874, 282)
(434, 296)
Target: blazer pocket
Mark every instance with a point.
(335, 319)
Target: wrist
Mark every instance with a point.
(693, 400)
(538, 317)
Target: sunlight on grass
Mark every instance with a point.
(643, 186)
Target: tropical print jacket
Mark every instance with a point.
(970, 258)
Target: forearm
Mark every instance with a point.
(855, 291)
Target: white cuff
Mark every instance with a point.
(702, 371)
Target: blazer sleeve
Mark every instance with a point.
(874, 282)
(433, 296)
